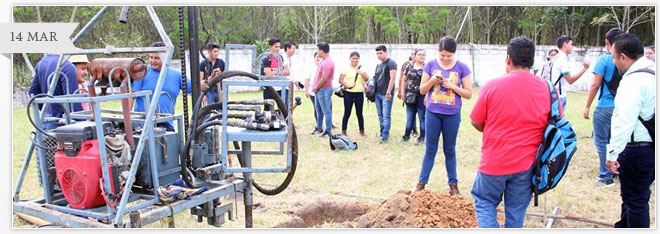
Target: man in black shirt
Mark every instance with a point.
(384, 77)
(217, 66)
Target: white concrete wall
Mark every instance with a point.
(488, 59)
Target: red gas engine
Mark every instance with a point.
(78, 165)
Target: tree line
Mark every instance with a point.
(354, 24)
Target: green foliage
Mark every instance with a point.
(262, 45)
(348, 24)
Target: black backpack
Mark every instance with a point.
(612, 85)
(370, 92)
(650, 123)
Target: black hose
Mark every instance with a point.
(199, 112)
(289, 177)
(29, 115)
(34, 135)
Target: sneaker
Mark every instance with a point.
(383, 141)
(324, 135)
(405, 138)
(420, 140)
(316, 131)
(613, 177)
(604, 183)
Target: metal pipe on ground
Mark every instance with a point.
(32, 220)
(569, 217)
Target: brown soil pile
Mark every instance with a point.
(443, 211)
(426, 208)
(395, 212)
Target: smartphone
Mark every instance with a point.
(439, 76)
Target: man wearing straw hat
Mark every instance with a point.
(82, 64)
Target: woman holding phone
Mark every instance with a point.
(353, 80)
(445, 82)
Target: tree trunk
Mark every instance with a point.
(38, 15)
(73, 14)
(316, 26)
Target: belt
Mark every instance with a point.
(639, 144)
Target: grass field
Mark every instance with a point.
(380, 170)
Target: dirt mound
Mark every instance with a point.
(395, 212)
(426, 208)
(443, 211)
(320, 212)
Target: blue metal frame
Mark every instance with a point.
(248, 136)
(149, 123)
(57, 211)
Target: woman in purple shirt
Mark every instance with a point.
(444, 82)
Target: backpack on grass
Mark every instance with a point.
(556, 150)
(341, 142)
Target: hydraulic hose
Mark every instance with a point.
(199, 113)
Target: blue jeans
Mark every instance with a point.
(602, 123)
(323, 106)
(488, 190)
(636, 174)
(411, 110)
(212, 97)
(447, 125)
(384, 108)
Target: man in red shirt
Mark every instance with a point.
(512, 112)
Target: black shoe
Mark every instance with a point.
(420, 140)
(405, 138)
(604, 183)
(316, 131)
(383, 141)
(324, 135)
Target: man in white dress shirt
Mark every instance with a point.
(630, 153)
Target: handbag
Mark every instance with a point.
(410, 98)
(339, 92)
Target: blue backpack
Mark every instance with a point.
(555, 152)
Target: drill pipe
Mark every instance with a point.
(245, 108)
(269, 102)
(258, 126)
